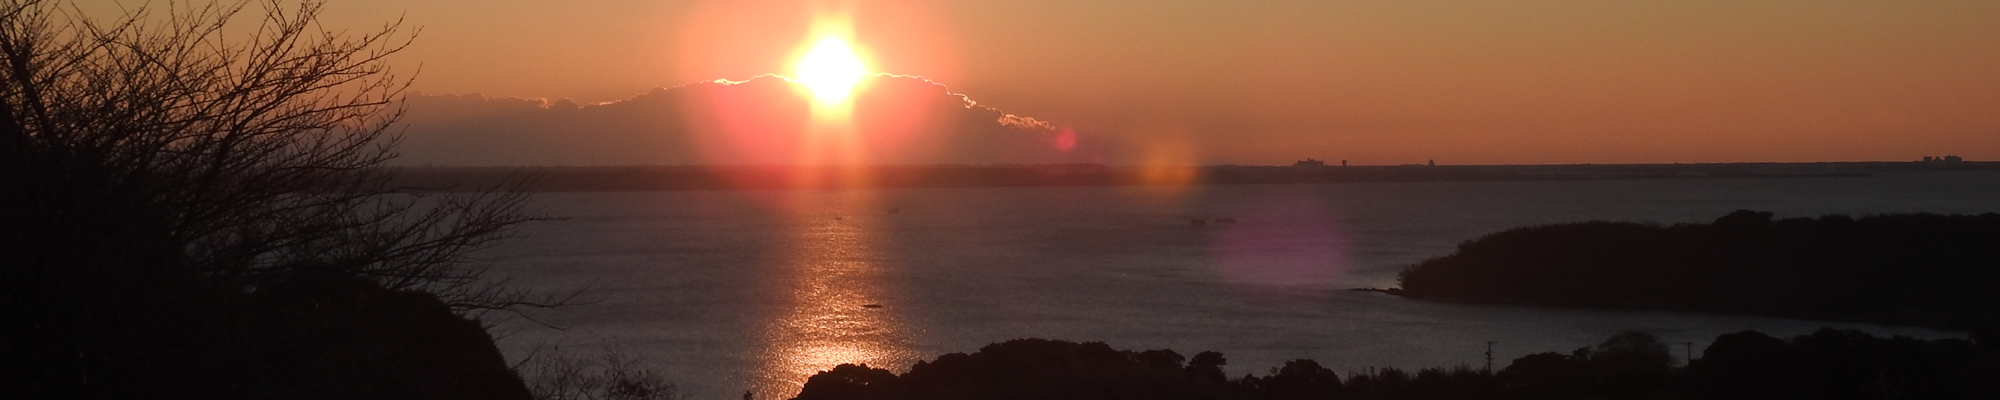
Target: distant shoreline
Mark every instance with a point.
(1661, 307)
(676, 178)
(1925, 270)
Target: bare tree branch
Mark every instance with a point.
(258, 159)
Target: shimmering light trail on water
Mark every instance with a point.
(834, 276)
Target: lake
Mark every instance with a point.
(728, 291)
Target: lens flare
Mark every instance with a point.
(831, 70)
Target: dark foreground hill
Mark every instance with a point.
(1916, 269)
(1829, 364)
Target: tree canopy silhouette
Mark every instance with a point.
(1919, 269)
(1827, 364)
(195, 197)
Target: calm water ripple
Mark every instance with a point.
(756, 290)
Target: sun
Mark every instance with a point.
(831, 70)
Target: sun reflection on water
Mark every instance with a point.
(834, 277)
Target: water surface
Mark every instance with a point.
(756, 290)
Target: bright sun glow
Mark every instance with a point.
(831, 69)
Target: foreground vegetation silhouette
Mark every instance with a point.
(1916, 269)
(186, 214)
(1828, 364)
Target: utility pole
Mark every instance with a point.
(1489, 357)
(1690, 352)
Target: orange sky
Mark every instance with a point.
(1268, 82)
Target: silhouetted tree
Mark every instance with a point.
(1208, 365)
(852, 382)
(610, 375)
(1630, 365)
(1297, 379)
(1163, 359)
(1027, 369)
(190, 208)
(1829, 364)
(1841, 364)
(1747, 365)
(1546, 376)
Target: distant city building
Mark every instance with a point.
(1311, 163)
(1433, 163)
(1943, 160)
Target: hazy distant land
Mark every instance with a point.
(644, 178)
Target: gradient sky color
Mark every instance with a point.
(1268, 82)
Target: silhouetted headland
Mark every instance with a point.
(1828, 364)
(645, 178)
(1914, 269)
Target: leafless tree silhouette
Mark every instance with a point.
(207, 151)
(254, 159)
